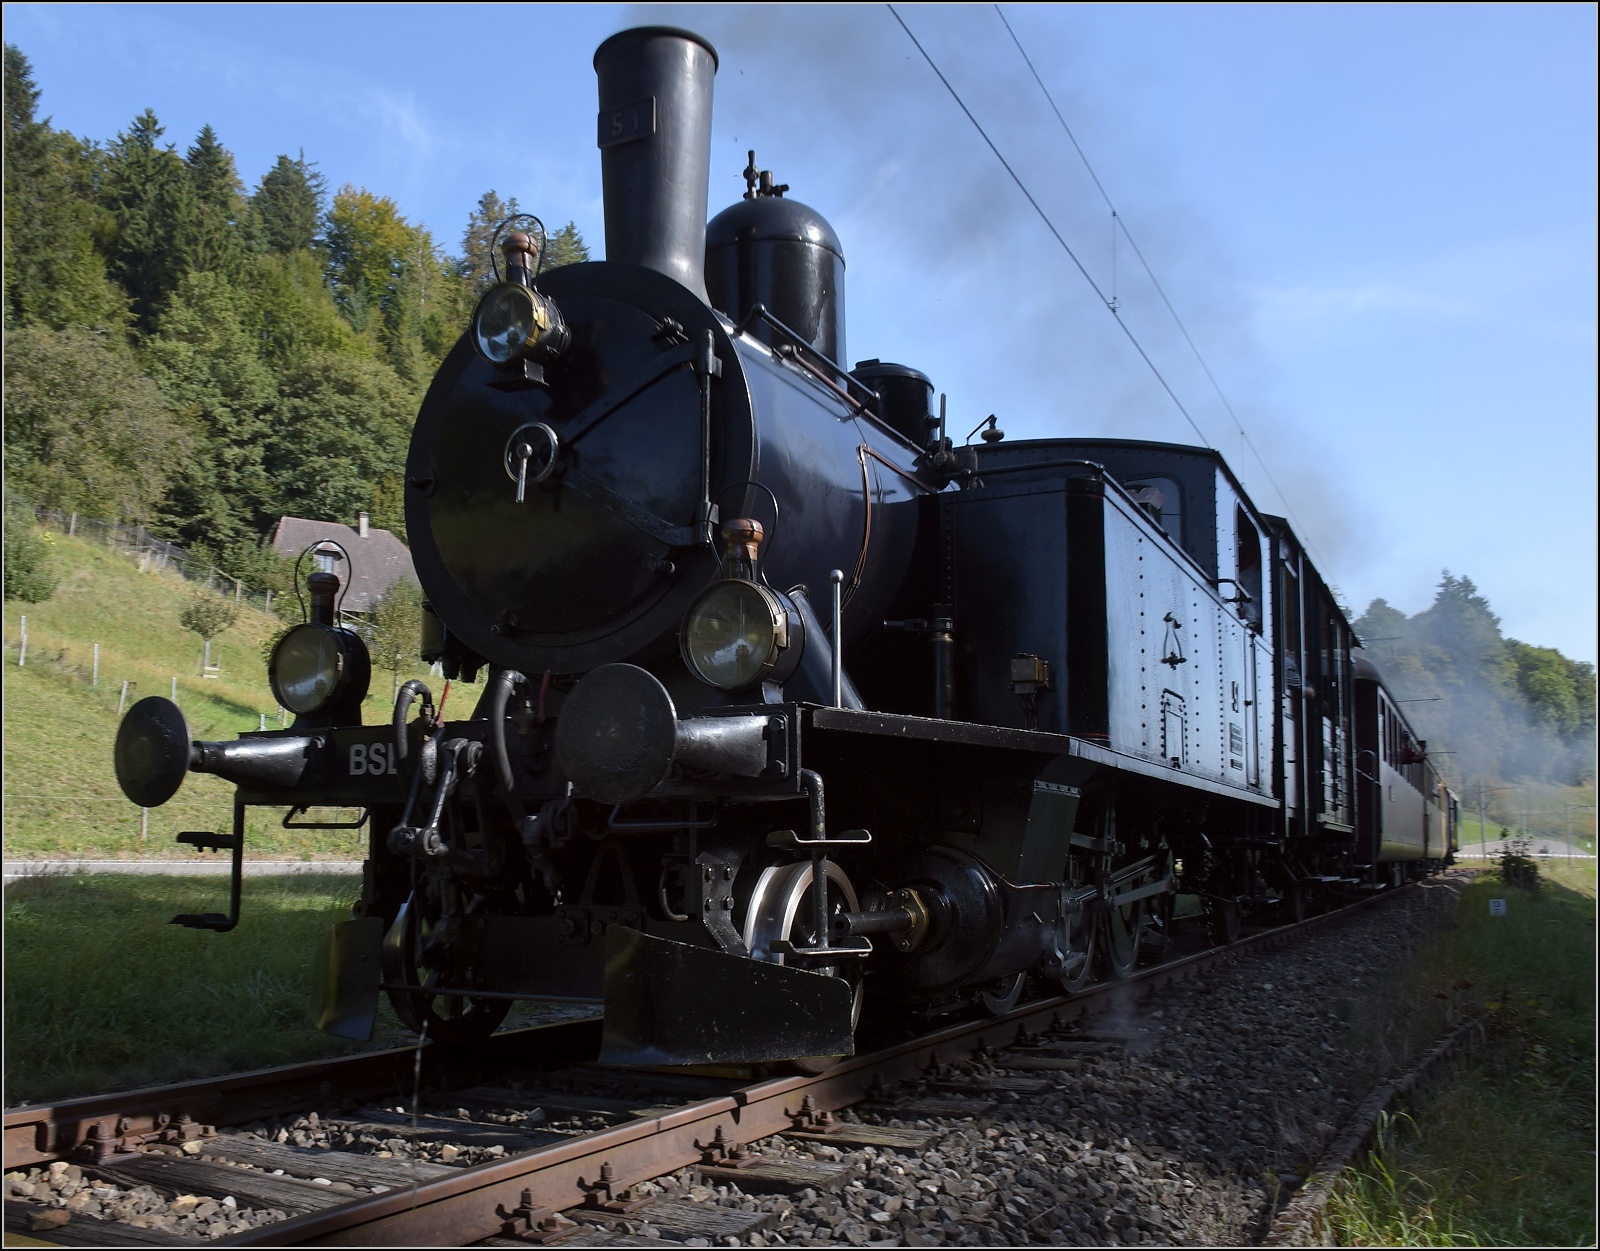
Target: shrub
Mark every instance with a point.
(29, 572)
(1517, 867)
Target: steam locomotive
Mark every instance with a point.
(791, 702)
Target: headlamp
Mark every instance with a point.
(514, 321)
(737, 633)
(314, 665)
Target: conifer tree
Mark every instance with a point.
(152, 198)
(477, 255)
(55, 273)
(566, 248)
(1499, 707)
(215, 242)
(287, 206)
(207, 364)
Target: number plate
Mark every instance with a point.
(627, 122)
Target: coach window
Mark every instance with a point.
(1247, 553)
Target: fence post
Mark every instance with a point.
(122, 703)
(144, 825)
(263, 717)
(238, 590)
(95, 680)
(72, 526)
(22, 653)
(174, 690)
(269, 599)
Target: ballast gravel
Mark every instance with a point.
(1193, 1134)
(64, 1186)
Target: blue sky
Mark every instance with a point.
(1377, 222)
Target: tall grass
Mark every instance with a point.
(1503, 1155)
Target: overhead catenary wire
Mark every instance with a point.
(1121, 223)
(1050, 226)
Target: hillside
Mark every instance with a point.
(61, 796)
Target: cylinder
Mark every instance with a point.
(654, 135)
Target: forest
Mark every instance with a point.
(201, 358)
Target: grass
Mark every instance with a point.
(61, 797)
(1503, 1155)
(102, 993)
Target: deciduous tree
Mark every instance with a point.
(29, 574)
(85, 430)
(396, 630)
(208, 615)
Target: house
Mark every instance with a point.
(377, 559)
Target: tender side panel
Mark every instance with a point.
(1177, 665)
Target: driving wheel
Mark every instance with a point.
(781, 917)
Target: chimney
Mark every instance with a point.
(361, 526)
(655, 149)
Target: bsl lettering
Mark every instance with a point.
(374, 759)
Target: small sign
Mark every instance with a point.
(627, 122)
(1497, 907)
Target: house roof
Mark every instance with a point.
(377, 561)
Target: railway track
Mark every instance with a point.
(525, 1140)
